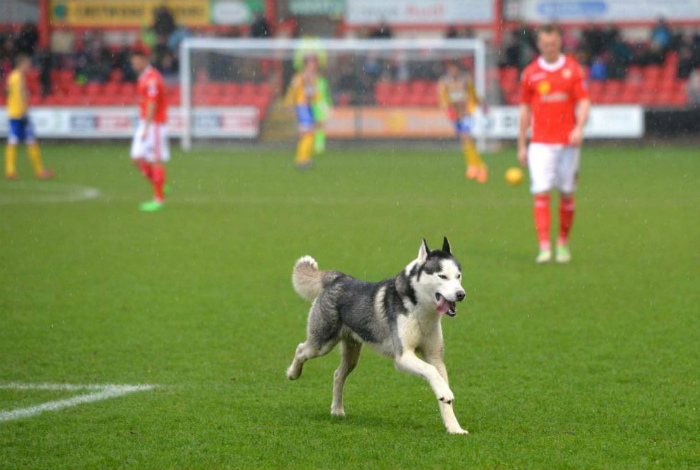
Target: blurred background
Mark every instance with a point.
(644, 54)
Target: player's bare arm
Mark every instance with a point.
(582, 111)
(524, 125)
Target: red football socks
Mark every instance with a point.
(542, 220)
(566, 217)
(145, 168)
(158, 180)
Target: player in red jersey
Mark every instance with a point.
(555, 100)
(150, 149)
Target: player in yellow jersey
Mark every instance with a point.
(20, 127)
(303, 93)
(458, 97)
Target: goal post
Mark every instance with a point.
(380, 89)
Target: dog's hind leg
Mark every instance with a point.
(322, 334)
(350, 355)
(309, 349)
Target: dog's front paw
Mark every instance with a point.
(458, 431)
(293, 373)
(338, 413)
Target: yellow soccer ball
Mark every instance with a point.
(514, 176)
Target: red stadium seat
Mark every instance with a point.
(116, 75)
(679, 99)
(418, 87)
(628, 97)
(510, 74)
(652, 73)
(613, 87)
(646, 97)
(248, 89)
(93, 89)
(265, 89)
(111, 88)
(596, 87)
(232, 88)
(429, 100)
(414, 99)
(382, 87)
(400, 88)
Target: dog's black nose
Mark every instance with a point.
(461, 295)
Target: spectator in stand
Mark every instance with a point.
(610, 35)
(177, 37)
(620, 59)
(467, 33)
(7, 53)
(693, 89)
(163, 23)
(159, 51)
(655, 54)
(509, 55)
(260, 28)
(569, 41)
(599, 70)
(27, 39)
(93, 63)
(383, 31)
(123, 63)
(688, 57)
(45, 66)
(661, 34)
(168, 67)
(592, 41)
(522, 44)
(452, 33)
(525, 36)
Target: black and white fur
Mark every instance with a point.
(399, 317)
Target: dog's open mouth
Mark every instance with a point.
(444, 306)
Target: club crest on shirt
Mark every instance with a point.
(543, 87)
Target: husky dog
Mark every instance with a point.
(399, 317)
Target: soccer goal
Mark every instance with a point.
(234, 89)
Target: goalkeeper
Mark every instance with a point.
(303, 94)
(457, 96)
(321, 109)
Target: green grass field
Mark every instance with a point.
(595, 364)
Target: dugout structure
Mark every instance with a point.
(380, 89)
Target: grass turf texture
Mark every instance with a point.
(590, 365)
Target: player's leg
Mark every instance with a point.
(542, 165)
(306, 137)
(35, 153)
(320, 138)
(158, 152)
(476, 168)
(320, 116)
(567, 175)
(13, 140)
(138, 152)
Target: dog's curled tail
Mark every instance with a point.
(306, 278)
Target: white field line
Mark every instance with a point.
(99, 393)
(34, 192)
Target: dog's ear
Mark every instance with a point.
(423, 251)
(446, 246)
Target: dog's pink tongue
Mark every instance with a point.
(443, 306)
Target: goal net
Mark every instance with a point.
(234, 89)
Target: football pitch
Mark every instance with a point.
(595, 364)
